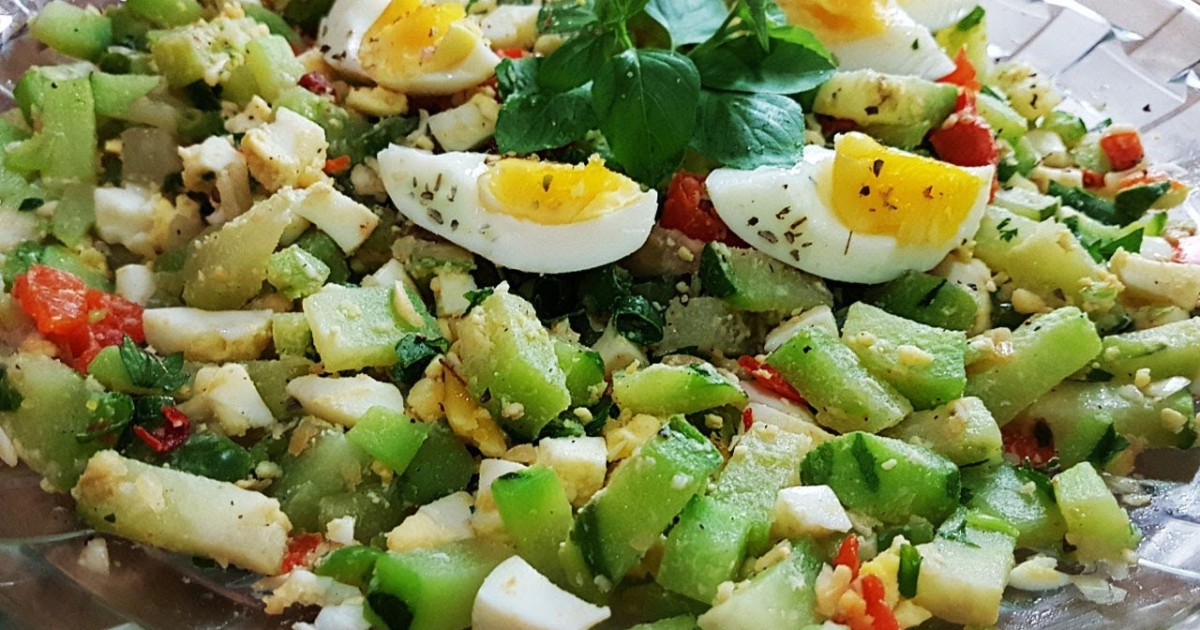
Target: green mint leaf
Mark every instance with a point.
(646, 102)
(1107, 447)
(638, 319)
(1134, 201)
(536, 121)
(754, 14)
(414, 351)
(688, 21)
(566, 16)
(18, 261)
(151, 371)
(476, 297)
(213, 456)
(575, 62)
(749, 130)
(517, 76)
(792, 62)
(10, 398)
(971, 20)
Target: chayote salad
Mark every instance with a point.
(665, 314)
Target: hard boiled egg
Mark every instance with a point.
(860, 213)
(936, 15)
(409, 46)
(875, 34)
(523, 214)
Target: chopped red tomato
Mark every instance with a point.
(337, 165)
(170, 435)
(300, 550)
(689, 210)
(965, 139)
(881, 615)
(964, 74)
(747, 419)
(847, 555)
(513, 53)
(770, 378)
(1028, 443)
(78, 319)
(1092, 179)
(1123, 148)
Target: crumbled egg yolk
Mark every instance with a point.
(879, 190)
(555, 194)
(410, 35)
(838, 20)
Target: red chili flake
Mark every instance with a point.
(337, 165)
(171, 435)
(874, 594)
(747, 418)
(300, 551)
(847, 555)
(770, 378)
(317, 83)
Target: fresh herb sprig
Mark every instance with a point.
(723, 89)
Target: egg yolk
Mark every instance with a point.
(409, 34)
(917, 200)
(837, 20)
(554, 194)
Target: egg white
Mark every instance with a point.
(441, 194)
(902, 47)
(341, 39)
(786, 213)
(936, 15)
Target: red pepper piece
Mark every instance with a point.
(168, 437)
(847, 555)
(770, 378)
(1123, 148)
(299, 551)
(874, 594)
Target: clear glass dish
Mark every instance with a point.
(1130, 60)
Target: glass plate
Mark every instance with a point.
(1130, 60)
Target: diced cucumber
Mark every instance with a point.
(74, 216)
(53, 408)
(970, 36)
(182, 512)
(441, 467)
(357, 327)
(536, 515)
(329, 465)
(69, 260)
(1165, 420)
(351, 565)
(885, 478)
(680, 622)
(783, 596)
(203, 51)
(114, 92)
(167, 13)
(273, 20)
(898, 110)
(831, 377)
(1068, 126)
(709, 325)
(227, 268)
(715, 533)
(1045, 350)
(271, 376)
(1168, 350)
(927, 299)
(1026, 203)
(273, 65)
(295, 272)
(1045, 258)
(964, 572)
(390, 437)
(509, 364)
(752, 281)
(583, 369)
(663, 389)
(291, 335)
(924, 363)
(64, 148)
(705, 548)
(1020, 497)
(963, 430)
(431, 589)
(71, 30)
(1005, 122)
(1096, 525)
(619, 525)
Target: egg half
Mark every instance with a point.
(528, 215)
(860, 213)
(875, 34)
(936, 15)
(409, 46)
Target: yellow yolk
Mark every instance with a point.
(918, 200)
(837, 20)
(554, 194)
(409, 34)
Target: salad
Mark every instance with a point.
(588, 314)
